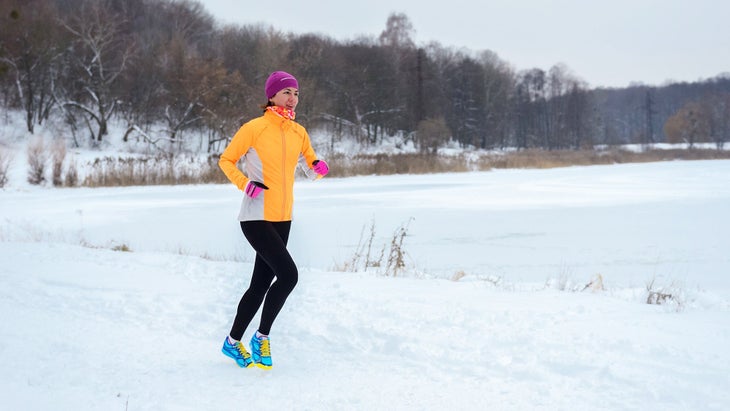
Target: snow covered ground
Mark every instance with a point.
(87, 327)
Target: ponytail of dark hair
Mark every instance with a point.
(264, 106)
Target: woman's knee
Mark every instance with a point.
(292, 278)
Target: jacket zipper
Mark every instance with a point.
(283, 170)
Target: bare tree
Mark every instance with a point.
(29, 41)
(396, 41)
(498, 85)
(531, 109)
(577, 117)
(649, 113)
(691, 124)
(398, 32)
(431, 133)
(193, 90)
(310, 56)
(717, 107)
(100, 56)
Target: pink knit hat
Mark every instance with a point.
(278, 81)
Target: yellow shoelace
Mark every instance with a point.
(242, 350)
(265, 351)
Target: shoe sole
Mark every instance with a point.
(258, 363)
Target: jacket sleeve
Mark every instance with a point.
(308, 172)
(308, 157)
(238, 146)
(307, 151)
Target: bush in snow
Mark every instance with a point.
(72, 175)
(396, 257)
(4, 167)
(58, 155)
(37, 158)
(670, 296)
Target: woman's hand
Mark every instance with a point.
(254, 188)
(320, 167)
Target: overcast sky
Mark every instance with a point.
(606, 43)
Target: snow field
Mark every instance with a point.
(143, 330)
(89, 328)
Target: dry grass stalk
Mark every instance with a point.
(37, 159)
(5, 162)
(58, 155)
(458, 275)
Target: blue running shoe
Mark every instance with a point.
(238, 352)
(261, 352)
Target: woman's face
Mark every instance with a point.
(287, 98)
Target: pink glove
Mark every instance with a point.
(254, 188)
(320, 167)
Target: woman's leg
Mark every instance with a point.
(253, 297)
(272, 261)
(287, 277)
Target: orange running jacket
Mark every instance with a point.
(273, 147)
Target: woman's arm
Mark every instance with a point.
(238, 146)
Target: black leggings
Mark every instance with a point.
(269, 240)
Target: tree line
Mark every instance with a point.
(169, 72)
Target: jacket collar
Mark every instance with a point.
(277, 119)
